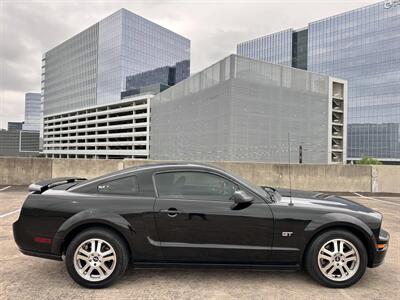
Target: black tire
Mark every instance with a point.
(312, 264)
(116, 242)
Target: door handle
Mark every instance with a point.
(172, 212)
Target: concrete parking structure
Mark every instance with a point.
(24, 277)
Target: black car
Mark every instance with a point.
(195, 215)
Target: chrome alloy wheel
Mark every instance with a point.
(95, 260)
(338, 260)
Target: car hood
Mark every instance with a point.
(318, 199)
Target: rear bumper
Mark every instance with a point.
(26, 244)
(379, 254)
(41, 254)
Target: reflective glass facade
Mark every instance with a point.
(164, 75)
(363, 47)
(69, 73)
(91, 67)
(299, 49)
(130, 44)
(32, 112)
(168, 75)
(275, 48)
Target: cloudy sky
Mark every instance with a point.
(29, 28)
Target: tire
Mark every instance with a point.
(96, 257)
(327, 264)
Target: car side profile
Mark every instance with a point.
(183, 214)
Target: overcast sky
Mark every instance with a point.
(29, 28)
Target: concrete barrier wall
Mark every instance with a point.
(86, 168)
(24, 170)
(343, 178)
(348, 178)
(386, 179)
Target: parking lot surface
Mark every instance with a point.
(24, 277)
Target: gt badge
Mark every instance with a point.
(287, 233)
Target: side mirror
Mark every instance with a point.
(241, 200)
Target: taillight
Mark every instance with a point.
(42, 240)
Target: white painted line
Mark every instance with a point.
(359, 195)
(4, 188)
(374, 199)
(10, 213)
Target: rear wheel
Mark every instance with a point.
(336, 259)
(96, 257)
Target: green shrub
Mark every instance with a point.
(366, 160)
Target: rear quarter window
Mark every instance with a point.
(122, 186)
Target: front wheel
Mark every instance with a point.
(336, 259)
(96, 257)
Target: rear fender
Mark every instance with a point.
(91, 216)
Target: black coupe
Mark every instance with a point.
(195, 215)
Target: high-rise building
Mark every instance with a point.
(83, 79)
(32, 112)
(361, 46)
(23, 138)
(242, 109)
(91, 67)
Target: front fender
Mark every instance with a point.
(330, 220)
(91, 216)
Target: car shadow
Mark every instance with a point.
(210, 274)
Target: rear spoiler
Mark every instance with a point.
(40, 187)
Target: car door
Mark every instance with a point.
(196, 223)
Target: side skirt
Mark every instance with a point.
(181, 265)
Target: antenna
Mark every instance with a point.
(290, 174)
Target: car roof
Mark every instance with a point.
(166, 165)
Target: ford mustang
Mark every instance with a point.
(182, 214)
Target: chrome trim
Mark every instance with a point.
(216, 246)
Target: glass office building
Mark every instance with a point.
(69, 73)
(275, 48)
(32, 112)
(91, 67)
(168, 75)
(362, 46)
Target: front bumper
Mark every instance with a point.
(379, 254)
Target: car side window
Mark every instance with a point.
(122, 186)
(194, 186)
